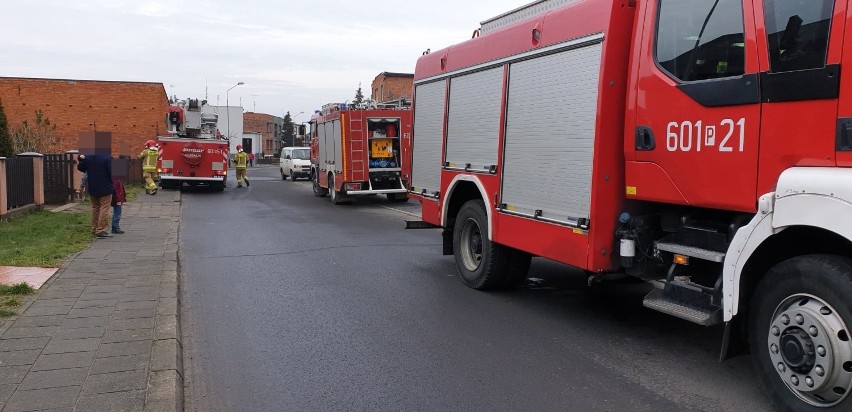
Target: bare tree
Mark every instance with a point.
(39, 136)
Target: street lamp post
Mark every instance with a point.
(228, 111)
(295, 130)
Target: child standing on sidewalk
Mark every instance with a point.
(118, 199)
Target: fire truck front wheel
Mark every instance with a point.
(799, 335)
(482, 264)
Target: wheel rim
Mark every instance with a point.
(811, 350)
(331, 188)
(471, 244)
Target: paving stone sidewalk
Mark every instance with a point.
(103, 334)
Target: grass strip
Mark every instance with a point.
(43, 239)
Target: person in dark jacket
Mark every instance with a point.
(98, 169)
(118, 199)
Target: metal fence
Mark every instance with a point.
(58, 178)
(19, 182)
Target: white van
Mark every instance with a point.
(295, 162)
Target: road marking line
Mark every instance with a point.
(399, 210)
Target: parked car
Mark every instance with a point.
(295, 162)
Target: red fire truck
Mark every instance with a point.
(360, 150)
(196, 154)
(703, 146)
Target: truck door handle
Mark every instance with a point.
(844, 135)
(645, 138)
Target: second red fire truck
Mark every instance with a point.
(360, 150)
(702, 145)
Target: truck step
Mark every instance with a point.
(691, 251)
(657, 300)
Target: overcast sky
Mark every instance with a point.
(292, 55)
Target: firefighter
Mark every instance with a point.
(242, 161)
(149, 166)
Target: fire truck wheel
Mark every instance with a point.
(798, 333)
(397, 197)
(318, 190)
(482, 264)
(336, 197)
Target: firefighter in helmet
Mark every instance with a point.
(242, 161)
(149, 166)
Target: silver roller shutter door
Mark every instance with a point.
(336, 149)
(473, 124)
(321, 142)
(550, 134)
(428, 137)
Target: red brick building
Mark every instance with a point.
(389, 86)
(269, 129)
(132, 111)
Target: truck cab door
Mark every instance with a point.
(693, 116)
(800, 48)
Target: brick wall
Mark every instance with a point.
(133, 112)
(267, 126)
(391, 86)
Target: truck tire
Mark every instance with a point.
(336, 197)
(292, 176)
(319, 191)
(397, 197)
(283, 176)
(482, 264)
(799, 336)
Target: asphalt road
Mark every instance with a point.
(293, 304)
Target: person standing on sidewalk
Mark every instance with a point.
(251, 159)
(242, 161)
(149, 158)
(98, 169)
(118, 199)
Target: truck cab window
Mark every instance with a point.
(700, 39)
(797, 33)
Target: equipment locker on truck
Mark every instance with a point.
(704, 145)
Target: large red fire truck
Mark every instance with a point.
(195, 154)
(360, 150)
(702, 145)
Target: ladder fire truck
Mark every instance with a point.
(360, 150)
(195, 154)
(704, 146)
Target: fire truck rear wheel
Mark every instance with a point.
(318, 190)
(336, 197)
(482, 264)
(799, 335)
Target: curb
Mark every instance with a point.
(165, 375)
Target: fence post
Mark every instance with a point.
(38, 181)
(76, 176)
(4, 196)
(38, 177)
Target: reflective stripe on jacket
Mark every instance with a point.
(242, 160)
(149, 159)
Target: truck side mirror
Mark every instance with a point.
(288, 156)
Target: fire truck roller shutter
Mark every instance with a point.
(337, 147)
(321, 149)
(550, 134)
(473, 125)
(428, 137)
